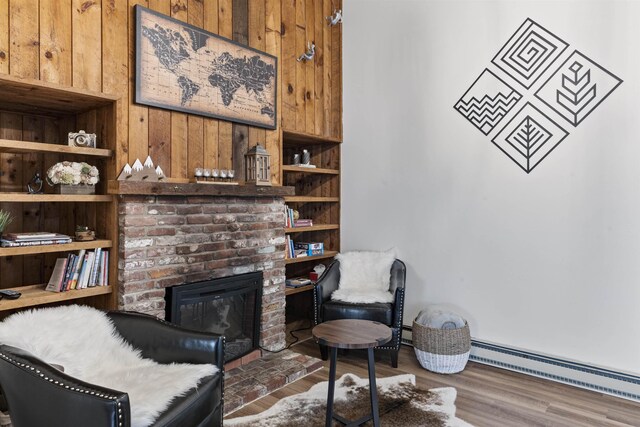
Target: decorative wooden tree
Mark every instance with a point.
(257, 166)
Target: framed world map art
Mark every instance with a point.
(184, 68)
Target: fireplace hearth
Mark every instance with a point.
(228, 306)
(170, 240)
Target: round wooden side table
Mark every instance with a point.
(352, 334)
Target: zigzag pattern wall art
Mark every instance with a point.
(572, 91)
(487, 101)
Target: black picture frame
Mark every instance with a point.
(140, 97)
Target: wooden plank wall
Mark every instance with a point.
(311, 91)
(91, 45)
(81, 44)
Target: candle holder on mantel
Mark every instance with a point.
(257, 166)
(214, 176)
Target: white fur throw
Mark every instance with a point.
(84, 341)
(365, 277)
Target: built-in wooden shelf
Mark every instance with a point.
(13, 146)
(302, 169)
(68, 107)
(327, 254)
(194, 189)
(319, 227)
(39, 97)
(291, 291)
(65, 247)
(33, 295)
(289, 137)
(37, 198)
(310, 199)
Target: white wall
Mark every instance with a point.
(547, 261)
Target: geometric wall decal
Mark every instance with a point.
(530, 57)
(529, 53)
(577, 88)
(529, 137)
(487, 101)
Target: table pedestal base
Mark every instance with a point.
(373, 393)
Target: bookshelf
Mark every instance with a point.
(293, 291)
(35, 117)
(34, 295)
(13, 146)
(327, 255)
(66, 247)
(320, 227)
(317, 197)
(300, 169)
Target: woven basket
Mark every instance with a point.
(445, 351)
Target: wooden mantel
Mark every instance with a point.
(193, 189)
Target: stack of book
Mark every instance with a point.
(310, 249)
(289, 250)
(85, 269)
(11, 240)
(297, 282)
(290, 222)
(303, 249)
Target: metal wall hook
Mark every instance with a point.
(309, 54)
(336, 18)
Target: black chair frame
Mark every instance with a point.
(328, 283)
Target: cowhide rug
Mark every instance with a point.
(401, 403)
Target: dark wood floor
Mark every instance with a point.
(487, 396)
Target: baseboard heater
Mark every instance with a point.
(589, 377)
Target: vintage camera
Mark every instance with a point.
(82, 139)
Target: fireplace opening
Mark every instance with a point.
(229, 306)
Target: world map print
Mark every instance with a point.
(184, 68)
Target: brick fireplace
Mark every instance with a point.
(168, 240)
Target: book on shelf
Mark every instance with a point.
(310, 248)
(289, 248)
(35, 236)
(57, 276)
(78, 270)
(302, 249)
(93, 277)
(87, 265)
(297, 282)
(288, 212)
(68, 275)
(104, 273)
(291, 222)
(86, 269)
(16, 244)
(299, 253)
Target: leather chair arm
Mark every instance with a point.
(328, 282)
(40, 395)
(165, 342)
(398, 308)
(398, 276)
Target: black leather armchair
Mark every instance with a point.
(38, 394)
(389, 314)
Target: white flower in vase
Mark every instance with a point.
(73, 173)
